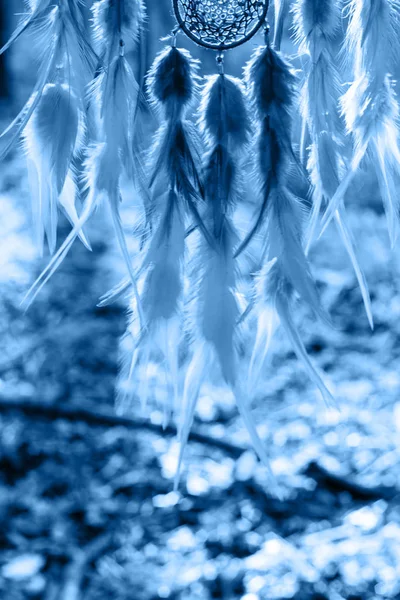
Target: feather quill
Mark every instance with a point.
(369, 106)
(225, 124)
(286, 270)
(316, 25)
(281, 9)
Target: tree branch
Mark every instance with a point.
(77, 569)
(339, 483)
(91, 416)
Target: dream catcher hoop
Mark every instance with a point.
(220, 24)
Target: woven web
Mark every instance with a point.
(221, 23)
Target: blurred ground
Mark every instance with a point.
(87, 511)
(90, 509)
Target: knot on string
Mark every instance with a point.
(220, 62)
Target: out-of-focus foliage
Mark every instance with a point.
(88, 512)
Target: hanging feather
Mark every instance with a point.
(278, 90)
(53, 136)
(286, 271)
(177, 192)
(370, 107)
(173, 78)
(316, 25)
(61, 43)
(39, 9)
(114, 94)
(53, 119)
(225, 123)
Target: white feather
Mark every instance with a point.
(285, 244)
(67, 201)
(116, 93)
(267, 324)
(282, 300)
(370, 107)
(194, 379)
(162, 295)
(53, 117)
(52, 138)
(286, 270)
(316, 25)
(51, 27)
(101, 179)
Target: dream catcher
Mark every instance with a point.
(196, 178)
(220, 25)
(191, 308)
(206, 187)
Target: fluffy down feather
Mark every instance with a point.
(287, 269)
(176, 193)
(172, 81)
(115, 20)
(225, 124)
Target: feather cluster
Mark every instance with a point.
(113, 97)
(214, 311)
(53, 119)
(370, 107)
(176, 193)
(80, 134)
(271, 85)
(316, 25)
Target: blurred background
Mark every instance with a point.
(87, 510)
